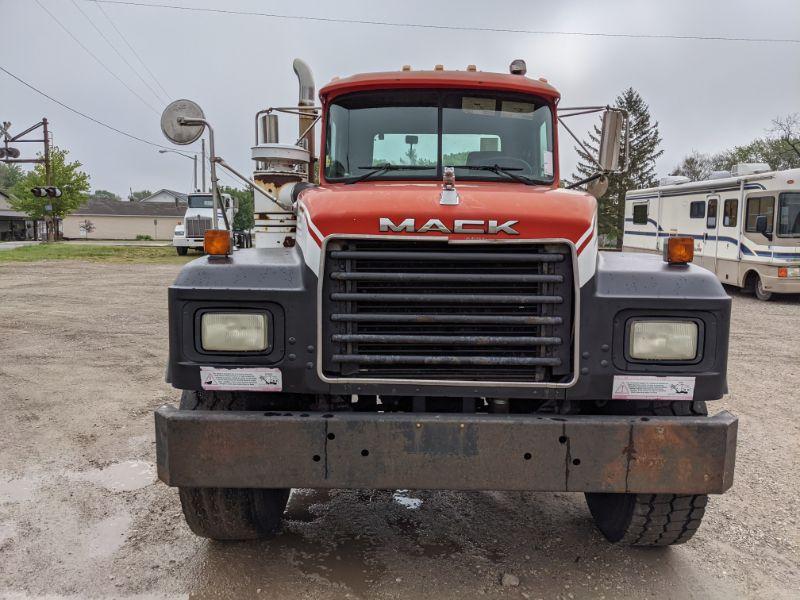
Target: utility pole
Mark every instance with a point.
(10, 154)
(203, 146)
(47, 175)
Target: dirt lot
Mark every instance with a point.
(82, 355)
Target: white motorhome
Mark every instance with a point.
(190, 231)
(745, 224)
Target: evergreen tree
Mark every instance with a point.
(645, 142)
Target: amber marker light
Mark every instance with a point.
(217, 242)
(679, 250)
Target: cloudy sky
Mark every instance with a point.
(706, 95)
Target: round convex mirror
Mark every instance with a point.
(176, 132)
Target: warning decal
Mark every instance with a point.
(253, 380)
(642, 387)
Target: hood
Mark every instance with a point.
(486, 210)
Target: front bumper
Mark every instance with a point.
(679, 455)
(187, 242)
(781, 285)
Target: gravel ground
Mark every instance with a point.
(82, 354)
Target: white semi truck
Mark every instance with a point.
(199, 212)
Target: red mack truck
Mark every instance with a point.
(434, 313)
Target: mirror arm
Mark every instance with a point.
(589, 179)
(309, 128)
(580, 143)
(250, 182)
(212, 159)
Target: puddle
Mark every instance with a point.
(107, 536)
(401, 497)
(349, 564)
(120, 477)
(17, 490)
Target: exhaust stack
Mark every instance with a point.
(306, 98)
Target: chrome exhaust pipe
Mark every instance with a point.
(306, 98)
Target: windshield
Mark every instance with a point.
(201, 202)
(789, 215)
(468, 130)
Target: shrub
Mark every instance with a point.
(143, 236)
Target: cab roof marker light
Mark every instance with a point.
(217, 242)
(678, 250)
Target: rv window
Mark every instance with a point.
(729, 212)
(761, 205)
(640, 214)
(711, 215)
(789, 215)
(697, 210)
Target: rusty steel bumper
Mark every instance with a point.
(685, 455)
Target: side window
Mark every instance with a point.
(711, 214)
(697, 209)
(757, 206)
(730, 212)
(640, 214)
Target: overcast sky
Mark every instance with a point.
(706, 95)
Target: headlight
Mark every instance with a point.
(663, 340)
(234, 332)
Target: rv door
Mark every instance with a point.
(727, 264)
(708, 250)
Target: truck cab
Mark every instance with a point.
(438, 316)
(196, 221)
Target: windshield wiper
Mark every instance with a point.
(507, 171)
(385, 168)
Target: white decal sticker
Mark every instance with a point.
(642, 387)
(547, 163)
(253, 380)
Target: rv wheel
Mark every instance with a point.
(761, 293)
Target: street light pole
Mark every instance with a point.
(192, 158)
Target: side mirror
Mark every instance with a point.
(762, 225)
(611, 140)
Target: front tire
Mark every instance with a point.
(229, 513)
(647, 519)
(182, 250)
(761, 293)
(650, 519)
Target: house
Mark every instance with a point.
(107, 219)
(166, 196)
(14, 226)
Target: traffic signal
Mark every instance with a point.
(43, 192)
(9, 153)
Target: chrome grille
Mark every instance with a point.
(395, 309)
(196, 226)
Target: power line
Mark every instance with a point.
(84, 115)
(114, 48)
(712, 38)
(132, 49)
(100, 62)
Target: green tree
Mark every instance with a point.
(139, 195)
(67, 176)
(244, 218)
(10, 174)
(105, 194)
(780, 149)
(696, 166)
(645, 141)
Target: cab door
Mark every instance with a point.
(709, 245)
